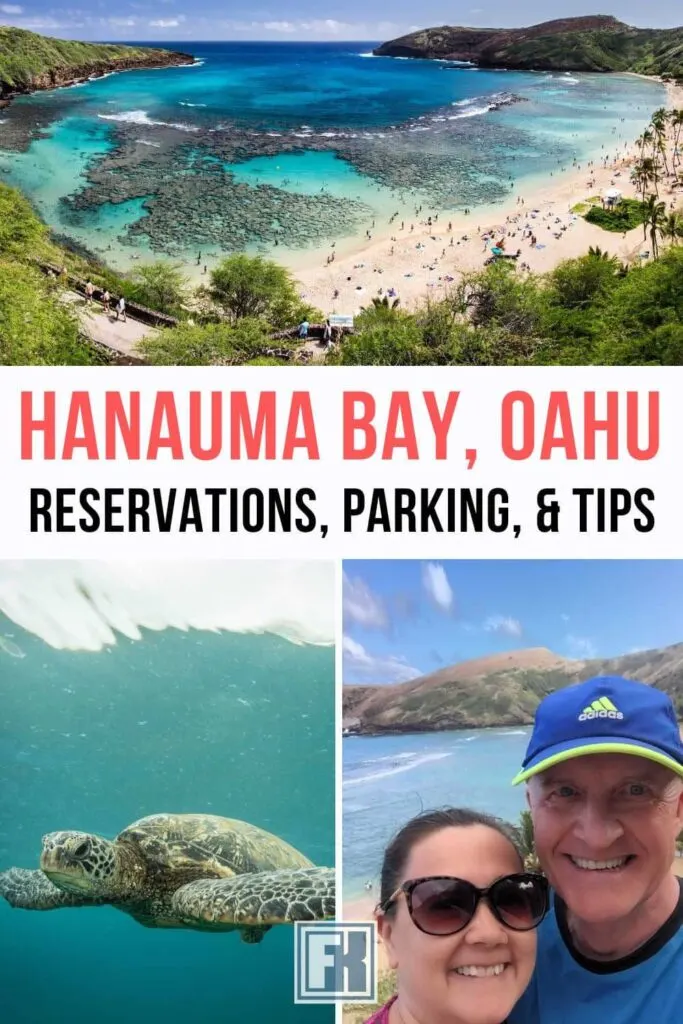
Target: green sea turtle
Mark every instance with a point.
(179, 871)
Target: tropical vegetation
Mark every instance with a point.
(29, 61)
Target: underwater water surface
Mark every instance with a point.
(185, 721)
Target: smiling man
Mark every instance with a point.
(604, 775)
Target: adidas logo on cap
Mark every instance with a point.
(600, 708)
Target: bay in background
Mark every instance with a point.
(389, 779)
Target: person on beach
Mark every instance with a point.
(457, 915)
(89, 292)
(106, 299)
(121, 309)
(604, 775)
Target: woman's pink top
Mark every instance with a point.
(382, 1015)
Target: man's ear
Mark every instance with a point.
(680, 806)
(385, 928)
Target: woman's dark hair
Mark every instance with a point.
(398, 851)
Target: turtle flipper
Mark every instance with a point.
(257, 899)
(32, 890)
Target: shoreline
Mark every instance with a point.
(6, 98)
(424, 263)
(416, 731)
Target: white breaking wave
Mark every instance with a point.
(142, 117)
(75, 605)
(384, 773)
(390, 757)
(184, 104)
(476, 105)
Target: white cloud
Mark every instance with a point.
(11, 9)
(580, 647)
(362, 606)
(564, 616)
(168, 22)
(46, 24)
(122, 22)
(436, 584)
(503, 624)
(324, 25)
(280, 26)
(375, 669)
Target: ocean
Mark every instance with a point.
(283, 148)
(389, 779)
(176, 718)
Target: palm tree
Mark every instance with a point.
(644, 140)
(654, 219)
(677, 124)
(673, 228)
(384, 302)
(644, 173)
(619, 268)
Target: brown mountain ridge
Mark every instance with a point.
(498, 690)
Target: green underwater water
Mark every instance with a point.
(223, 723)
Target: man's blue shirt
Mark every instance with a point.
(567, 988)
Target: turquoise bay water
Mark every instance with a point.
(389, 779)
(314, 120)
(197, 721)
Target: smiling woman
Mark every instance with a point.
(457, 914)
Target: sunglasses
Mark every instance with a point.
(441, 905)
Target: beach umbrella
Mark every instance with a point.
(613, 193)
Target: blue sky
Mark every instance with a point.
(176, 20)
(403, 619)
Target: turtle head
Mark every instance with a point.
(79, 862)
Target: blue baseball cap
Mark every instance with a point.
(605, 715)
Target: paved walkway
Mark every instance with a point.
(106, 329)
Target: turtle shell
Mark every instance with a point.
(205, 845)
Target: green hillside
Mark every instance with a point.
(594, 43)
(504, 690)
(30, 61)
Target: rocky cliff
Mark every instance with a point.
(593, 43)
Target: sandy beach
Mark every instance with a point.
(414, 264)
(357, 910)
